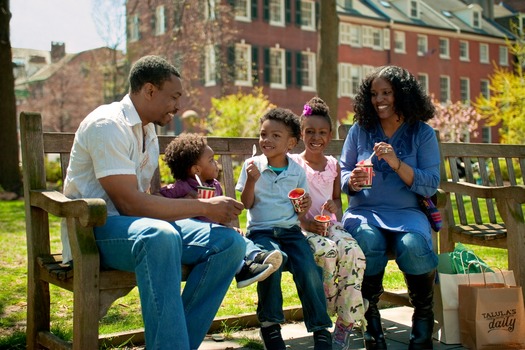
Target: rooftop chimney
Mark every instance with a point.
(58, 50)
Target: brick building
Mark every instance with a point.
(450, 45)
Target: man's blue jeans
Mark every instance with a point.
(413, 251)
(299, 260)
(154, 250)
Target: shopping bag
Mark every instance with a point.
(446, 297)
(491, 316)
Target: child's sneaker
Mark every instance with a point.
(342, 335)
(272, 338)
(252, 272)
(273, 257)
(322, 340)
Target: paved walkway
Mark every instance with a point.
(396, 322)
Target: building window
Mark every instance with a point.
(210, 66)
(160, 22)
(444, 89)
(243, 10)
(414, 9)
(464, 90)
(486, 134)
(484, 87)
(355, 36)
(344, 33)
(463, 51)
(372, 37)
(483, 53)
(349, 79)
(134, 30)
(503, 56)
(399, 42)
(307, 71)
(476, 19)
(277, 68)
(243, 65)
(422, 45)
(444, 48)
(277, 12)
(307, 15)
(423, 81)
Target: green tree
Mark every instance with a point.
(238, 115)
(506, 104)
(10, 177)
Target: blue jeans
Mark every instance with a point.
(154, 250)
(413, 251)
(299, 260)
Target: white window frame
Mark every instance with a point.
(444, 90)
(413, 7)
(345, 35)
(476, 19)
(243, 63)
(243, 10)
(400, 42)
(210, 9)
(134, 29)
(486, 130)
(444, 48)
(160, 20)
(484, 88)
(309, 58)
(484, 53)
(422, 45)
(310, 25)
(423, 81)
(464, 90)
(464, 51)
(345, 81)
(503, 56)
(372, 37)
(277, 68)
(277, 15)
(210, 66)
(356, 36)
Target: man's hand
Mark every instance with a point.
(222, 209)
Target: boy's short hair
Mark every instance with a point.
(287, 117)
(183, 152)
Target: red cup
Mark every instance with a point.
(325, 220)
(205, 192)
(296, 197)
(369, 171)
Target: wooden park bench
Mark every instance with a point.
(94, 290)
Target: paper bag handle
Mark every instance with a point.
(483, 270)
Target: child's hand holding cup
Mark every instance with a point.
(296, 196)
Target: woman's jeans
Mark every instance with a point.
(413, 251)
(299, 260)
(155, 250)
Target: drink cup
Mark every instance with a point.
(368, 167)
(325, 220)
(296, 197)
(205, 192)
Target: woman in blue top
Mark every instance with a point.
(390, 114)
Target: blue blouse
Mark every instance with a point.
(390, 204)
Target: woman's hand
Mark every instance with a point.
(358, 178)
(386, 151)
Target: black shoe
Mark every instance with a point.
(272, 338)
(322, 340)
(252, 272)
(273, 257)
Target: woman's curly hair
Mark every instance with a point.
(183, 152)
(410, 100)
(317, 107)
(285, 116)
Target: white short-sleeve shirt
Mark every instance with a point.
(110, 141)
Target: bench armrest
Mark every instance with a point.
(89, 211)
(516, 192)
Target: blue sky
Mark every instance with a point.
(36, 23)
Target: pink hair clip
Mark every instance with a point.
(307, 110)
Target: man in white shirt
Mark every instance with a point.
(114, 156)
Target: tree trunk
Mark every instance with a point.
(10, 176)
(327, 76)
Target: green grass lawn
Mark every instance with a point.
(125, 314)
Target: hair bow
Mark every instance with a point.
(307, 110)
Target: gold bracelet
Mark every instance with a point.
(398, 167)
